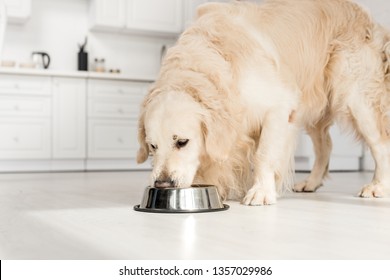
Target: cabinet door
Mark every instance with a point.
(108, 14)
(108, 139)
(69, 118)
(120, 108)
(114, 99)
(155, 15)
(114, 89)
(18, 11)
(29, 106)
(25, 85)
(25, 138)
(113, 118)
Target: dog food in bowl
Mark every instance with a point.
(198, 198)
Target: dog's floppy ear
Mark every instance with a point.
(143, 151)
(219, 135)
(386, 52)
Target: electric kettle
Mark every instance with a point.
(41, 59)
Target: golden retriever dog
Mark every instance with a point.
(244, 79)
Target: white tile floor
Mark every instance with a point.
(90, 216)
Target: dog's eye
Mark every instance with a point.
(181, 143)
(154, 147)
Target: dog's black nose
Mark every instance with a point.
(164, 183)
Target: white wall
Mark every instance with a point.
(57, 26)
(379, 9)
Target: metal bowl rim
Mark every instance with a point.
(167, 211)
(210, 190)
(193, 187)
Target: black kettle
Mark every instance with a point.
(41, 59)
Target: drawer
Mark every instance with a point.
(26, 85)
(112, 139)
(115, 107)
(22, 138)
(25, 106)
(104, 88)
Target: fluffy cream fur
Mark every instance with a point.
(244, 78)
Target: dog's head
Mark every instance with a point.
(179, 132)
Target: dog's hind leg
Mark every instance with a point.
(322, 148)
(366, 122)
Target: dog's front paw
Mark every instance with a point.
(260, 196)
(372, 190)
(306, 186)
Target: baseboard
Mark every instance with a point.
(337, 163)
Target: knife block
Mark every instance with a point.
(83, 61)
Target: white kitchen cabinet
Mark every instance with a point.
(108, 14)
(115, 89)
(155, 15)
(346, 153)
(25, 85)
(25, 124)
(113, 99)
(18, 11)
(112, 139)
(25, 138)
(137, 16)
(113, 109)
(69, 118)
(28, 106)
(52, 121)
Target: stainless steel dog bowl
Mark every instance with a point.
(198, 198)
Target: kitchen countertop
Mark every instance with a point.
(77, 74)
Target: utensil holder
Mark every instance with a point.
(83, 61)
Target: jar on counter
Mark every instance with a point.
(100, 65)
